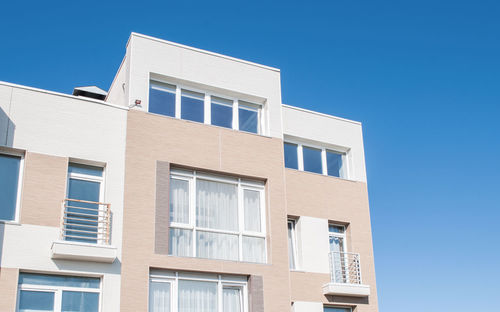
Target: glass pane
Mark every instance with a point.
(248, 115)
(79, 301)
(32, 301)
(59, 280)
(179, 201)
(196, 296)
(251, 202)
(216, 245)
(329, 309)
(9, 181)
(216, 205)
(222, 112)
(85, 169)
(253, 249)
(192, 106)
(334, 164)
(162, 99)
(179, 242)
(336, 228)
(312, 159)
(291, 251)
(159, 297)
(291, 160)
(82, 216)
(336, 244)
(231, 297)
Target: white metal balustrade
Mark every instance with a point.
(345, 267)
(86, 221)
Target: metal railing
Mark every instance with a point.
(345, 267)
(86, 221)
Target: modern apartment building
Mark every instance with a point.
(189, 186)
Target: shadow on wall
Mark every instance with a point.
(7, 128)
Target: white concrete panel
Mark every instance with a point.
(306, 306)
(312, 241)
(329, 131)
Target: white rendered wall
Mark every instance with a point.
(61, 125)
(202, 70)
(313, 245)
(333, 131)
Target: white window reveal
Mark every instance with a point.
(316, 159)
(175, 291)
(216, 217)
(11, 166)
(204, 107)
(58, 293)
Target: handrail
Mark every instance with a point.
(345, 267)
(86, 221)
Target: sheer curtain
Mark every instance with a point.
(253, 249)
(180, 242)
(216, 246)
(159, 297)
(291, 251)
(195, 296)
(216, 205)
(251, 203)
(179, 201)
(336, 247)
(231, 297)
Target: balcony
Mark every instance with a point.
(85, 232)
(345, 276)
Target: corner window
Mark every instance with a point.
(335, 164)
(216, 217)
(58, 293)
(292, 244)
(249, 116)
(192, 106)
(179, 291)
(10, 167)
(291, 160)
(221, 112)
(162, 98)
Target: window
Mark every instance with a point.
(291, 160)
(249, 116)
(337, 242)
(85, 192)
(10, 185)
(334, 309)
(216, 217)
(162, 98)
(190, 292)
(292, 244)
(222, 112)
(58, 293)
(316, 159)
(192, 106)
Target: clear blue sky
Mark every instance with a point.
(423, 77)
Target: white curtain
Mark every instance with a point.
(179, 201)
(159, 297)
(195, 296)
(217, 245)
(337, 259)
(180, 242)
(231, 297)
(291, 252)
(253, 249)
(216, 205)
(251, 203)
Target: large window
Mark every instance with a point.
(10, 167)
(316, 159)
(216, 217)
(58, 293)
(292, 244)
(194, 292)
(337, 242)
(204, 107)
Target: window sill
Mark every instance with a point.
(349, 290)
(10, 222)
(83, 252)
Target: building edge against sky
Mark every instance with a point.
(190, 180)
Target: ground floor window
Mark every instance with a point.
(336, 309)
(58, 293)
(194, 292)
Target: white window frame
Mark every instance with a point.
(324, 166)
(242, 184)
(293, 222)
(19, 184)
(208, 102)
(221, 280)
(58, 290)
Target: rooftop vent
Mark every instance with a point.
(90, 92)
